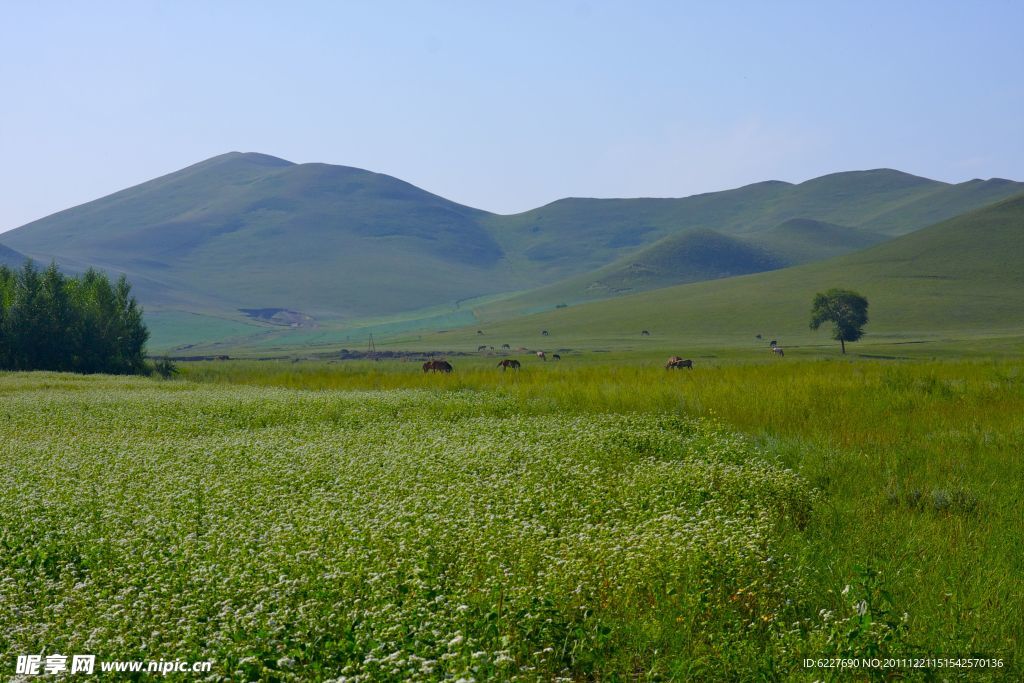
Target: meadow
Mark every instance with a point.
(588, 520)
(918, 462)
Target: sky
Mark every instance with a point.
(507, 106)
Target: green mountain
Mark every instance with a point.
(588, 233)
(959, 276)
(252, 231)
(11, 258)
(251, 244)
(800, 240)
(692, 256)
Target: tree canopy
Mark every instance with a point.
(847, 310)
(51, 321)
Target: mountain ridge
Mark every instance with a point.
(245, 230)
(961, 274)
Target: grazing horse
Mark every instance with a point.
(556, 356)
(777, 350)
(675, 362)
(540, 354)
(645, 333)
(505, 346)
(437, 366)
(544, 333)
(508, 363)
(482, 348)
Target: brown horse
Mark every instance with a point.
(508, 363)
(437, 366)
(678, 363)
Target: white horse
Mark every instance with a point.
(540, 354)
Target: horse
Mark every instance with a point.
(777, 350)
(677, 363)
(437, 366)
(645, 333)
(556, 356)
(543, 333)
(505, 346)
(540, 354)
(508, 363)
(482, 348)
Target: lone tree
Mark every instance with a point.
(847, 310)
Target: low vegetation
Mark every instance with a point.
(403, 535)
(577, 520)
(917, 463)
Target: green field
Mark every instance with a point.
(589, 519)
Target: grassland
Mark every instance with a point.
(401, 535)
(918, 463)
(585, 519)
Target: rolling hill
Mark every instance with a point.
(801, 240)
(252, 231)
(584, 234)
(693, 256)
(961, 276)
(11, 258)
(322, 246)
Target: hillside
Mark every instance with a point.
(588, 233)
(687, 257)
(960, 276)
(253, 231)
(801, 240)
(335, 246)
(11, 258)
(693, 256)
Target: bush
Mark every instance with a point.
(165, 368)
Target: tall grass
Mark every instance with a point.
(920, 462)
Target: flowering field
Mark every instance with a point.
(297, 535)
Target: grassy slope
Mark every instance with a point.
(802, 240)
(962, 275)
(697, 256)
(363, 252)
(575, 232)
(688, 257)
(254, 231)
(247, 230)
(11, 258)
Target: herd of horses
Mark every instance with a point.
(673, 363)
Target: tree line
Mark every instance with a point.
(52, 321)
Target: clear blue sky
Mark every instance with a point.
(507, 106)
